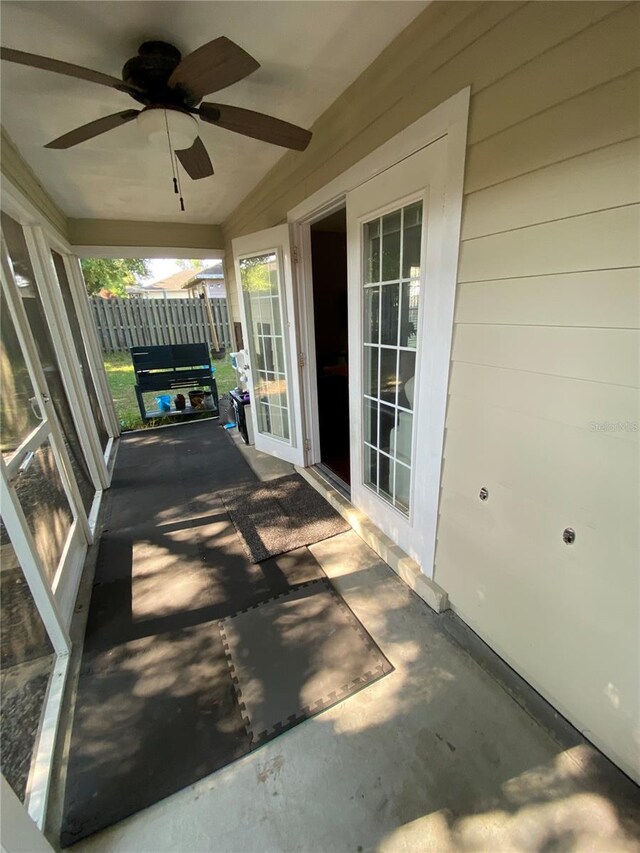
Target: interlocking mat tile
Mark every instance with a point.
(280, 515)
(157, 707)
(295, 656)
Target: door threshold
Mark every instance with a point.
(402, 564)
(336, 481)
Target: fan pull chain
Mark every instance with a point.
(177, 187)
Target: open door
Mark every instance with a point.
(265, 290)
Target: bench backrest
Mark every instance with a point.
(171, 366)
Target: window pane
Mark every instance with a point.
(406, 387)
(371, 314)
(17, 395)
(388, 375)
(412, 238)
(263, 416)
(266, 316)
(371, 371)
(278, 358)
(409, 314)
(371, 422)
(403, 437)
(26, 661)
(372, 251)
(391, 246)
(387, 424)
(370, 467)
(45, 506)
(402, 485)
(78, 341)
(389, 314)
(385, 477)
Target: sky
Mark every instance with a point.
(162, 267)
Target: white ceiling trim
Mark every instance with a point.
(146, 252)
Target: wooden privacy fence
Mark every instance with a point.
(142, 322)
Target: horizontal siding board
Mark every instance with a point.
(608, 177)
(406, 81)
(544, 354)
(604, 298)
(609, 410)
(545, 460)
(442, 31)
(560, 73)
(607, 239)
(534, 599)
(602, 116)
(544, 571)
(599, 355)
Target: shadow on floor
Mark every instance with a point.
(157, 702)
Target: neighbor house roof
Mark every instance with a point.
(213, 277)
(171, 283)
(176, 281)
(184, 280)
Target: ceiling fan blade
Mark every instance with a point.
(257, 125)
(94, 128)
(212, 67)
(67, 68)
(195, 160)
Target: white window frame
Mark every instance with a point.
(448, 120)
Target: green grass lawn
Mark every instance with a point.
(121, 381)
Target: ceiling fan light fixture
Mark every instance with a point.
(154, 122)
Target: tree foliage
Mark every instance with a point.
(190, 264)
(259, 274)
(113, 274)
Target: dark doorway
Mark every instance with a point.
(329, 265)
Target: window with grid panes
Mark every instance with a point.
(262, 294)
(392, 249)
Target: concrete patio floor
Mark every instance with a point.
(451, 751)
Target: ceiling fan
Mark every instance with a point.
(170, 87)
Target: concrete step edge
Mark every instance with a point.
(407, 569)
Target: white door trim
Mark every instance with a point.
(448, 120)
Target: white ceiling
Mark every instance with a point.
(309, 53)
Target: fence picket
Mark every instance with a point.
(137, 321)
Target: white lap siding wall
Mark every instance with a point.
(543, 399)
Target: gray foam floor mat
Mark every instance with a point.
(295, 656)
(280, 515)
(156, 706)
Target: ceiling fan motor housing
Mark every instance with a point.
(150, 70)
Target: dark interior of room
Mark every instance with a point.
(329, 264)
